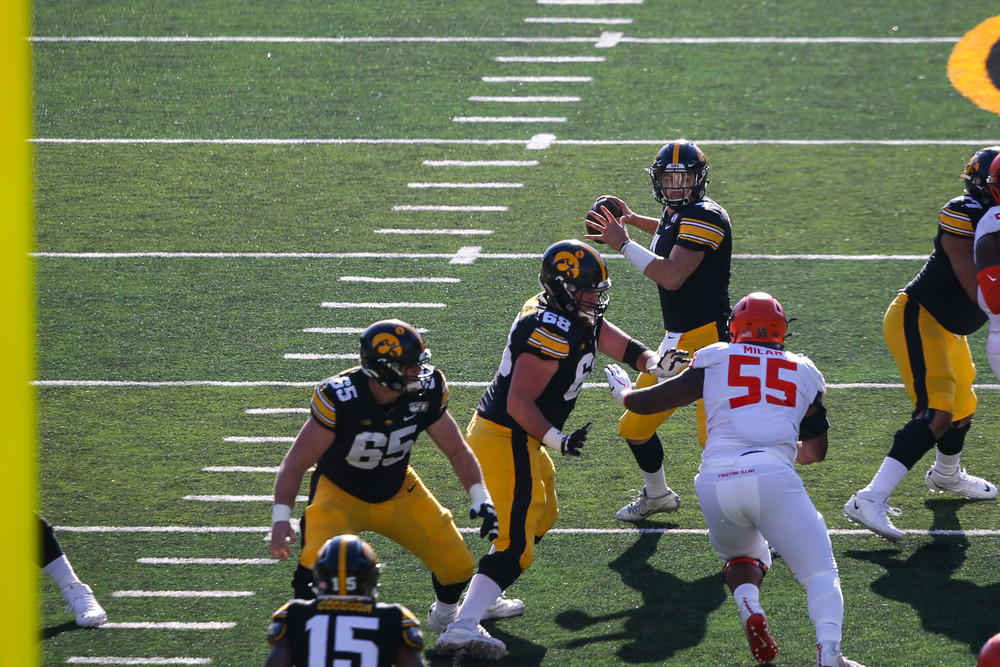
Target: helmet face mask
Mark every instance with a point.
(977, 176)
(575, 279)
(758, 318)
(346, 566)
(393, 353)
(679, 174)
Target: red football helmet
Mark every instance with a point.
(989, 655)
(758, 318)
(993, 180)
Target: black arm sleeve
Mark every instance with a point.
(634, 350)
(814, 425)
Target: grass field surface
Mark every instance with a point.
(226, 193)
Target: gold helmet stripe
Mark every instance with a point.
(345, 543)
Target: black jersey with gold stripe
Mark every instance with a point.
(936, 287)
(547, 333)
(345, 631)
(702, 226)
(372, 443)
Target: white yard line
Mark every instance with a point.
(419, 255)
(521, 142)
(276, 383)
(314, 356)
(377, 304)
(182, 594)
(555, 531)
(373, 279)
(250, 39)
(109, 660)
(213, 625)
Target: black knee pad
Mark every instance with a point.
(501, 567)
(448, 593)
(953, 440)
(649, 455)
(912, 441)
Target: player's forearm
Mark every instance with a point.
(643, 222)
(466, 467)
(287, 484)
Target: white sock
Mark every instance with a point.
(747, 598)
(61, 572)
(947, 464)
(889, 474)
(483, 592)
(826, 611)
(656, 483)
(829, 653)
(444, 608)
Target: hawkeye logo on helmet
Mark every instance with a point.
(387, 345)
(569, 262)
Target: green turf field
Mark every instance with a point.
(209, 175)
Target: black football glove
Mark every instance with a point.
(572, 443)
(670, 364)
(490, 528)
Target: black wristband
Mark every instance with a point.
(634, 350)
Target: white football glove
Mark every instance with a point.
(670, 364)
(618, 382)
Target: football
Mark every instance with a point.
(609, 204)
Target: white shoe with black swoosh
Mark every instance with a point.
(962, 483)
(873, 516)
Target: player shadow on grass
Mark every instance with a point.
(52, 631)
(953, 607)
(664, 596)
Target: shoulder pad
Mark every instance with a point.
(277, 627)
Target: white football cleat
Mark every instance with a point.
(831, 659)
(847, 662)
(81, 601)
(642, 506)
(468, 639)
(438, 622)
(504, 608)
(873, 516)
(961, 483)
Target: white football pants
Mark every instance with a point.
(762, 501)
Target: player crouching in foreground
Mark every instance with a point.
(765, 412)
(345, 620)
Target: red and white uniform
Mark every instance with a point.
(990, 224)
(747, 486)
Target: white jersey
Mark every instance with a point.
(988, 224)
(755, 398)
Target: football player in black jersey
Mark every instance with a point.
(362, 425)
(344, 625)
(925, 328)
(689, 259)
(549, 354)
